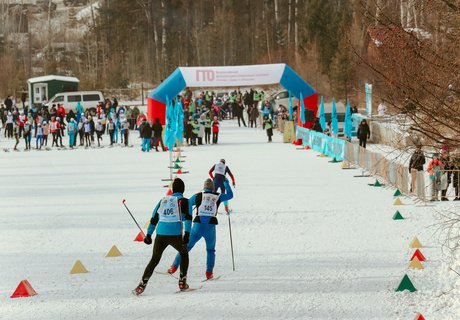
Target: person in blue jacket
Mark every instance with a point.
(170, 218)
(204, 225)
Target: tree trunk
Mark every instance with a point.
(289, 24)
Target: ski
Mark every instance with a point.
(211, 279)
(189, 289)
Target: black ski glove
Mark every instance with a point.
(186, 237)
(148, 239)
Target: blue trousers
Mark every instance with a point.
(38, 141)
(145, 144)
(71, 139)
(219, 184)
(208, 232)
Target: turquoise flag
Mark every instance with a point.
(302, 109)
(179, 121)
(290, 106)
(170, 129)
(348, 124)
(322, 115)
(335, 123)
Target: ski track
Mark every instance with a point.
(310, 241)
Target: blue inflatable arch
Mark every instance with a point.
(233, 76)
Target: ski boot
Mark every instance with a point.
(209, 275)
(140, 288)
(183, 283)
(172, 269)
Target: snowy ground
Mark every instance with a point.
(310, 240)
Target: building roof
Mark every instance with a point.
(52, 77)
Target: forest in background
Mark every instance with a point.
(405, 48)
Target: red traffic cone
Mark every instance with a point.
(179, 171)
(140, 237)
(307, 148)
(24, 289)
(419, 255)
(419, 316)
(169, 192)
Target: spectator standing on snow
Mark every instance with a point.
(416, 162)
(253, 116)
(111, 131)
(158, 134)
(206, 204)
(363, 133)
(39, 137)
(99, 132)
(239, 113)
(125, 128)
(268, 126)
(27, 131)
(434, 168)
(215, 130)
(172, 221)
(16, 135)
(46, 132)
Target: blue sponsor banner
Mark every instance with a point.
(331, 147)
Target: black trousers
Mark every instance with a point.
(240, 116)
(362, 142)
(160, 244)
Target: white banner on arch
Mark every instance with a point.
(261, 74)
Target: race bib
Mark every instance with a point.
(208, 206)
(220, 168)
(169, 210)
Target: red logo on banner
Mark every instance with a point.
(206, 75)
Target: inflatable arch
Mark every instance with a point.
(233, 76)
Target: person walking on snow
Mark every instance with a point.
(204, 225)
(172, 221)
(220, 170)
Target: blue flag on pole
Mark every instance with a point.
(302, 109)
(179, 121)
(322, 115)
(170, 137)
(348, 122)
(335, 123)
(290, 106)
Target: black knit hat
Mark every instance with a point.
(178, 186)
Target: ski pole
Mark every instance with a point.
(124, 200)
(231, 241)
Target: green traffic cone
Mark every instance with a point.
(406, 284)
(377, 183)
(397, 193)
(176, 166)
(398, 216)
(177, 160)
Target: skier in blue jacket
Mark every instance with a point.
(170, 218)
(204, 225)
